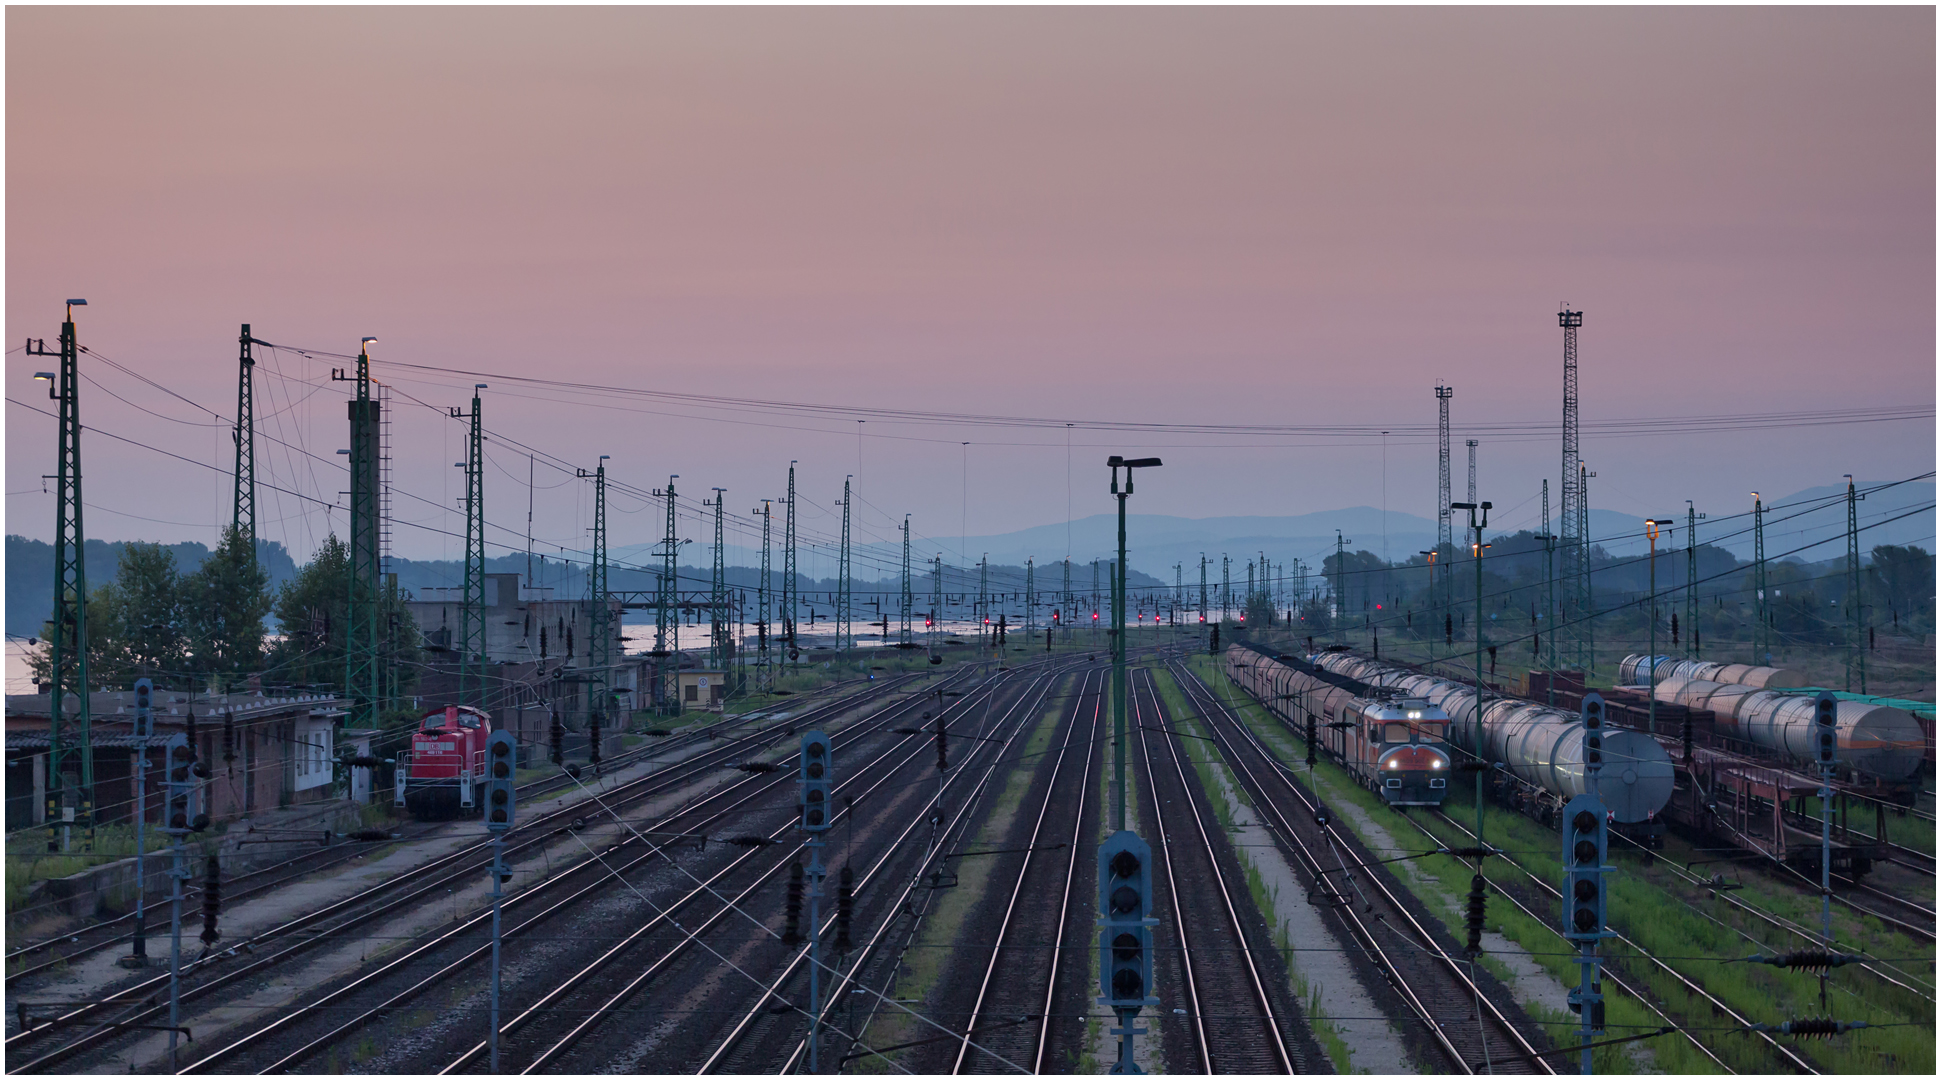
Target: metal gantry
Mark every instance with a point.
(1573, 543)
(936, 599)
(70, 748)
(1030, 595)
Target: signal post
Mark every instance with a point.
(1585, 846)
(817, 775)
(501, 756)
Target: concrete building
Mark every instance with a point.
(263, 751)
(522, 625)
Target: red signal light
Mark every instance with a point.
(1095, 616)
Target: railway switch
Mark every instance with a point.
(501, 757)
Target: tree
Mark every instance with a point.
(223, 605)
(1901, 581)
(134, 623)
(313, 610)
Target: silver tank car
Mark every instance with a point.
(1875, 740)
(1635, 670)
(1541, 745)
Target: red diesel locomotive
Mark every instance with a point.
(446, 764)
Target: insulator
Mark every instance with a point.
(1470, 852)
(1473, 765)
(364, 761)
(1310, 740)
(557, 735)
(749, 841)
(1820, 1028)
(1473, 918)
(659, 732)
(758, 767)
(792, 930)
(943, 757)
(211, 901)
(369, 836)
(845, 906)
(593, 740)
(1816, 960)
(228, 738)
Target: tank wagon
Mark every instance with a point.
(1542, 746)
(1636, 671)
(447, 763)
(1395, 744)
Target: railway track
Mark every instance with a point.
(64, 949)
(1551, 893)
(1437, 989)
(1234, 1023)
(298, 1037)
(102, 1021)
(769, 1037)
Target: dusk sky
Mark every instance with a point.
(1287, 219)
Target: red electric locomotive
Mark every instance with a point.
(447, 763)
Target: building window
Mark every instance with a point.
(693, 692)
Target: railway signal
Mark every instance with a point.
(501, 753)
(211, 901)
(557, 737)
(501, 768)
(1125, 936)
(1826, 712)
(816, 775)
(1585, 845)
(182, 816)
(144, 727)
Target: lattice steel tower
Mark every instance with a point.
(667, 627)
(1856, 598)
(361, 674)
(1761, 635)
(764, 676)
(719, 647)
(70, 765)
(907, 607)
(845, 602)
(242, 513)
(471, 615)
(1445, 530)
(599, 648)
(791, 589)
(1574, 568)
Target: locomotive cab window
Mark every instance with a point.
(1396, 731)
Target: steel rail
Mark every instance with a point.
(1071, 874)
(1689, 985)
(1219, 878)
(914, 745)
(1017, 890)
(1195, 687)
(759, 786)
(541, 831)
(842, 984)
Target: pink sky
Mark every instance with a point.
(1222, 216)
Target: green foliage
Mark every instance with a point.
(222, 606)
(313, 609)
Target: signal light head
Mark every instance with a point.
(1585, 920)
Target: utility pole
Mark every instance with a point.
(1856, 606)
(1550, 613)
(845, 603)
(1340, 582)
(471, 616)
(360, 653)
(764, 677)
(1651, 527)
(718, 648)
(983, 613)
(907, 608)
(1066, 601)
(1095, 603)
(1203, 608)
(936, 599)
(70, 768)
(1692, 518)
(791, 589)
(1123, 857)
(600, 622)
(1476, 552)
(1445, 536)
(667, 626)
(1030, 596)
(1589, 638)
(242, 514)
(1573, 543)
(1761, 642)
(1226, 587)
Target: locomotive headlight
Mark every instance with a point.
(1435, 764)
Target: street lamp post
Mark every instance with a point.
(1431, 556)
(1476, 550)
(1115, 463)
(1651, 616)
